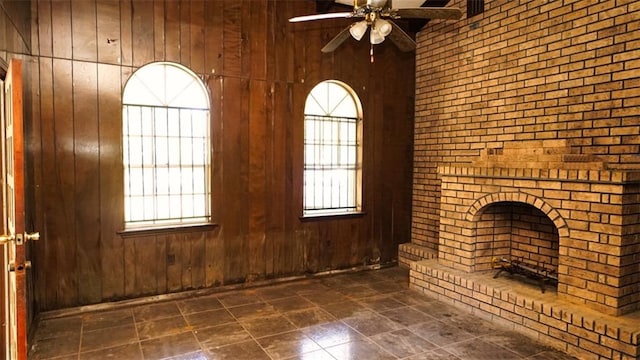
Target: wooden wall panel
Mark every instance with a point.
(258, 33)
(87, 180)
(198, 259)
(213, 38)
(186, 247)
(47, 251)
(83, 25)
(129, 255)
(142, 32)
(111, 210)
(172, 30)
(276, 183)
(174, 267)
(144, 264)
(232, 37)
(62, 200)
(258, 69)
(214, 259)
(126, 47)
(44, 29)
(257, 179)
(61, 29)
(158, 30)
(233, 218)
(15, 25)
(162, 264)
(185, 33)
(108, 33)
(196, 30)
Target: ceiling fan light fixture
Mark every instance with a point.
(383, 26)
(376, 36)
(358, 29)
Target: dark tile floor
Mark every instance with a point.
(366, 315)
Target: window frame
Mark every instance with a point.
(356, 208)
(203, 214)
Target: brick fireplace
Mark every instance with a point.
(541, 204)
(538, 201)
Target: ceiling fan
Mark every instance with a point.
(375, 14)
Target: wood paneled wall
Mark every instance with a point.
(15, 25)
(259, 69)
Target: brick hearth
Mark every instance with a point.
(521, 306)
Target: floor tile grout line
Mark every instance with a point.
(135, 325)
(248, 332)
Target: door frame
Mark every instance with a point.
(4, 278)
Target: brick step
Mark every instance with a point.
(409, 252)
(521, 306)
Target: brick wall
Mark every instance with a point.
(525, 70)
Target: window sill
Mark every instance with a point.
(334, 216)
(145, 231)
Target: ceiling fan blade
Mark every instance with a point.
(429, 13)
(403, 41)
(336, 15)
(337, 40)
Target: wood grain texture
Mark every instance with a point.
(232, 37)
(62, 200)
(126, 46)
(257, 176)
(61, 29)
(171, 39)
(196, 31)
(83, 25)
(87, 180)
(15, 36)
(158, 30)
(44, 29)
(46, 251)
(111, 211)
(108, 31)
(258, 69)
(142, 32)
(233, 218)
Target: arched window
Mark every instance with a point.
(332, 150)
(166, 147)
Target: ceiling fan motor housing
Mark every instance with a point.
(376, 3)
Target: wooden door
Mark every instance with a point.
(14, 207)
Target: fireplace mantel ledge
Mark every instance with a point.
(574, 175)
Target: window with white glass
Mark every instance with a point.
(332, 150)
(166, 147)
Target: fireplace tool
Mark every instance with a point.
(537, 272)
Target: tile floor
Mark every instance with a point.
(366, 315)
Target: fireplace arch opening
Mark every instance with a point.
(509, 232)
